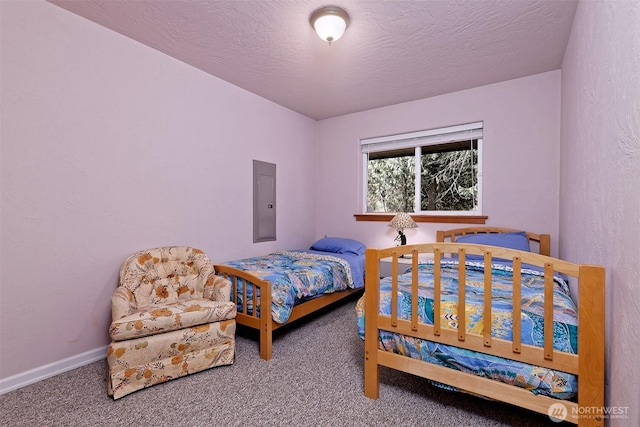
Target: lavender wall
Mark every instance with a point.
(521, 157)
(600, 173)
(109, 147)
(105, 142)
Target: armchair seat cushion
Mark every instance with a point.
(164, 317)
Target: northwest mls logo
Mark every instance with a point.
(557, 412)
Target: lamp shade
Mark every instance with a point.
(403, 220)
(330, 23)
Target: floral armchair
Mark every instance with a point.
(171, 316)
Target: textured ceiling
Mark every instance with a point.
(394, 50)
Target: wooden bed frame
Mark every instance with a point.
(265, 324)
(588, 365)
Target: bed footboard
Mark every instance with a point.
(588, 365)
(251, 312)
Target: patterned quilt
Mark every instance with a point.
(539, 380)
(295, 276)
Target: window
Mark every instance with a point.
(432, 172)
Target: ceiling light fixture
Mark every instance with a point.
(330, 22)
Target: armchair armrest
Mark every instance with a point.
(122, 303)
(217, 288)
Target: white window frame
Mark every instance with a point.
(417, 140)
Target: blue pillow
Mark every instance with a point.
(339, 245)
(516, 240)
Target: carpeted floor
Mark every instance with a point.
(314, 379)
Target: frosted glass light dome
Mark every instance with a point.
(330, 23)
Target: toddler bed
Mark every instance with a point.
(288, 285)
(556, 370)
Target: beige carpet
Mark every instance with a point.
(314, 379)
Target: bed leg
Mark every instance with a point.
(265, 342)
(266, 324)
(372, 286)
(371, 376)
(591, 344)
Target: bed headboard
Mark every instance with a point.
(542, 240)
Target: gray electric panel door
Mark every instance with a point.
(264, 201)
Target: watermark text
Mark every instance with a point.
(558, 412)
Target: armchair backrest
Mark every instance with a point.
(167, 274)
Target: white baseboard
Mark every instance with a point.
(52, 369)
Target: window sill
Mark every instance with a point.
(463, 219)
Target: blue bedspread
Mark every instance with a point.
(296, 276)
(539, 380)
